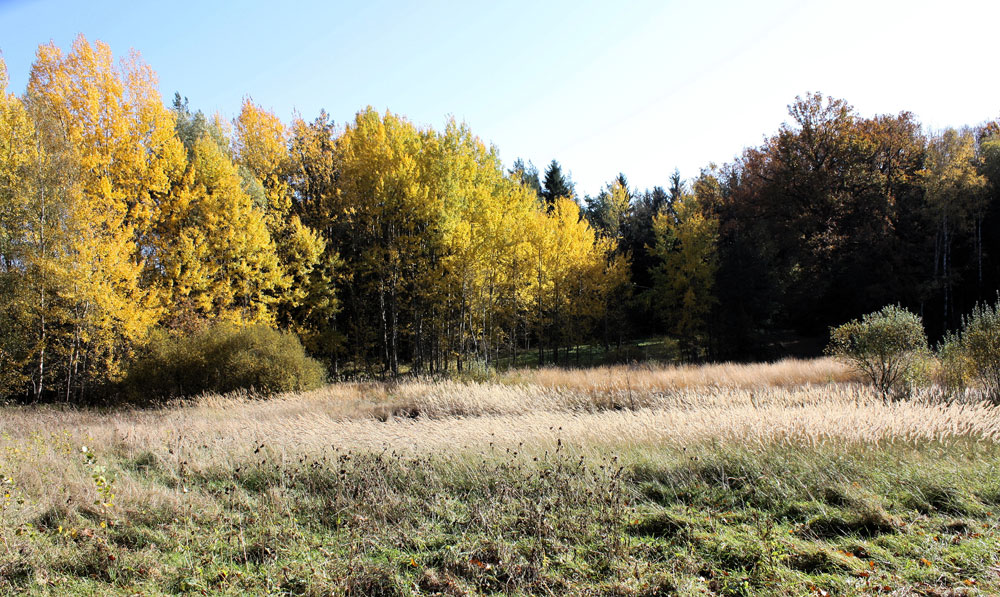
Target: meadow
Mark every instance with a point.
(789, 478)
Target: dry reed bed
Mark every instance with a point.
(658, 378)
(40, 447)
(216, 429)
(562, 390)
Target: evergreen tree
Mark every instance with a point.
(527, 175)
(556, 185)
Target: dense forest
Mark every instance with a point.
(387, 247)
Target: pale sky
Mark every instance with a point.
(604, 87)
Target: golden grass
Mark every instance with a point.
(656, 378)
(593, 410)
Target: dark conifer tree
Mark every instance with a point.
(556, 184)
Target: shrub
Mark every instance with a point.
(973, 354)
(887, 346)
(956, 370)
(223, 358)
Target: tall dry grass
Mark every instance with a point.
(586, 411)
(658, 378)
(559, 390)
(218, 425)
(238, 484)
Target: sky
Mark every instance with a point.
(639, 87)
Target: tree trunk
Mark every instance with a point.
(395, 327)
(946, 273)
(979, 253)
(40, 385)
(385, 328)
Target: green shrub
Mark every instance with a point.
(973, 354)
(223, 358)
(956, 371)
(887, 346)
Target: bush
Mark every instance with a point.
(973, 354)
(223, 358)
(956, 370)
(887, 346)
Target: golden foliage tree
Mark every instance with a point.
(19, 164)
(573, 270)
(682, 281)
(107, 128)
(307, 299)
(449, 257)
(956, 200)
(260, 144)
(388, 207)
(215, 256)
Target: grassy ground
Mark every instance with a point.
(779, 480)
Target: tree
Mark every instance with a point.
(609, 211)
(313, 172)
(192, 127)
(260, 145)
(822, 223)
(215, 258)
(988, 245)
(574, 271)
(612, 216)
(19, 165)
(316, 202)
(683, 278)
(956, 202)
(526, 175)
(307, 298)
(480, 275)
(391, 212)
(114, 143)
(676, 186)
(556, 185)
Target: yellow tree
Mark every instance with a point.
(307, 299)
(18, 154)
(214, 256)
(956, 199)
(522, 207)
(483, 273)
(390, 212)
(683, 279)
(573, 272)
(504, 258)
(609, 211)
(260, 145)
(19, 165)
(109, 123)
(38, 194)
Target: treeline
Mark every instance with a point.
(386, 247)
(834, 216)
(379, 245)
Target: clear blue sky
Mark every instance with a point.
(639, 87)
